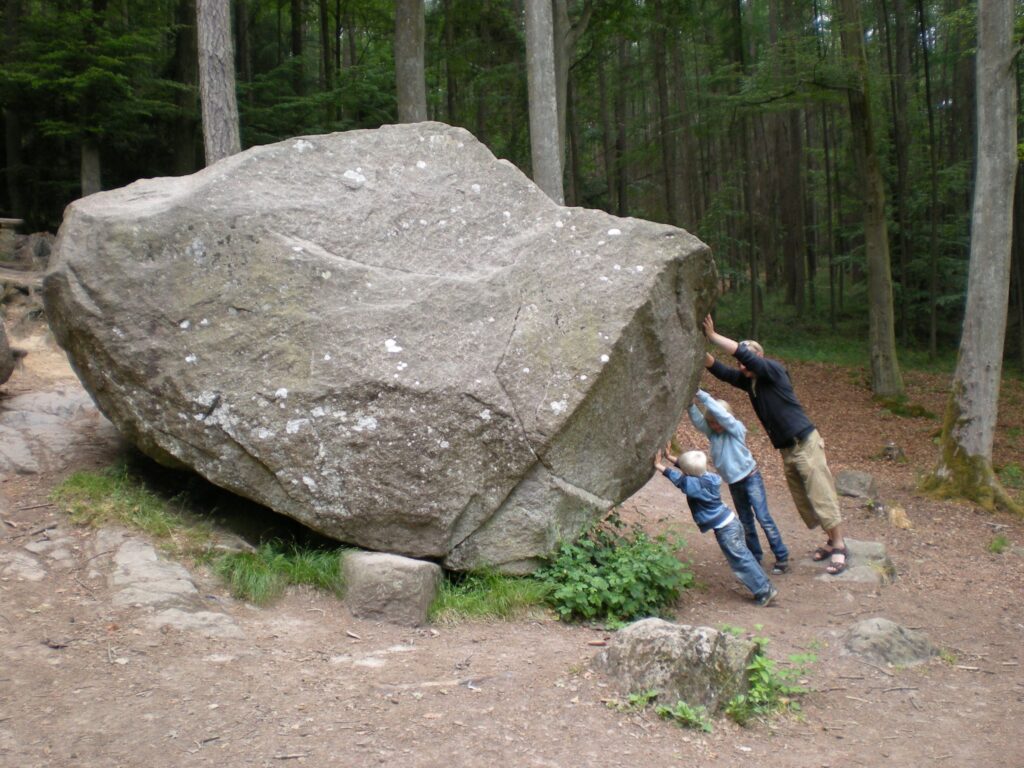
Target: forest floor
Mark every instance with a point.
(85, 681)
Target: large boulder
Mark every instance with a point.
(388, 335)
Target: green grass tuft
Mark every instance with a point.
(262, 576)
(486, 594)
(116, 496)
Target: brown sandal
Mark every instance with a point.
(835, 567)
(822, 553)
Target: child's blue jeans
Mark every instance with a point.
(751, 503)
(743, 564)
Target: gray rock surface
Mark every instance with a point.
(388, 335)
(698, 665)
(852, 482)
(868, 562)
(395, 589)
(886, 642)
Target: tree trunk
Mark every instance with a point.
(933, 227)
(621, 177)
(886, 379)
(12, 120)
(665, 124)
(965, 467)
(217, 80)
(545, 146)
(298, 82)
(607, 137)
(184, 68)
(410, 33)
(91, 177)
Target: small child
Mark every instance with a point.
(703, 495)
(727, 436)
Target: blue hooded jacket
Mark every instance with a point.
(704, 496)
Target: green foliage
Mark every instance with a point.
(770, 689)
(899, 406)
(635, 702)
(615, 576)
(998, 545)
(261, 576)
(121, 495)
(685, 716)
(117, 496)
(1011, 475)
(486, 594)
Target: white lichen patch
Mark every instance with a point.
(264, 434)
(604, 358)
(282, 393)
(294, 425)
(365, 423)
(613, 232)
(318, 412)
(190, 358)
(302, 145)
(309, 482)
(558, 407)
(485, 414)
(353, 179)
(391, 346)
(185, 325)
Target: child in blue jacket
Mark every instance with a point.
(703, 495)
(727, 436)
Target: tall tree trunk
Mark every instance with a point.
(607, 136)
(665, 124)
(545, 145)
(451, 88)
(12, 119)
(243, 54)
(410, 41)
(298, 78)
(184, 68)
(621, 121)
(886, 379)
(933, 206)
(575, 174)
(217, 80)
(901, 144)
(968, 432)
(91, 176)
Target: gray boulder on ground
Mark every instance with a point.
(8, 356)
(852, 482)
(886, 642)
(698, 665)
(388, 335)
(395, 589)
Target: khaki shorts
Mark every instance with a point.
(811, 483)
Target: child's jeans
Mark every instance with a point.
(751, 502)
(743, 564)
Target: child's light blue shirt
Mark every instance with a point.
(729, 451)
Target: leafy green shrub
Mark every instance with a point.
(261, 576)
(614, 576)
(486, 594)
(685, 716)
(770, 689)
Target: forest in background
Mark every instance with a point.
(731, 119)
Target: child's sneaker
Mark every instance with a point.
(766, 599)
(780, 567)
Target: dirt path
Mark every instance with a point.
(85, 681)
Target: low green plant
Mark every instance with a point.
(614, 575)
(635, 702)
(685, 716)
(769, 689)
(999, 544)
(261, 576)
(1011, 475)
(729, 629)
(117, 496)
(899, 406)
(486, 594)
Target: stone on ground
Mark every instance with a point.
(698, 665)
(391, 588)
(388, 335)
(868, 562)
(852, 482)
(886, 642)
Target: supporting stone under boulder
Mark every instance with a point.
(388, 335)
